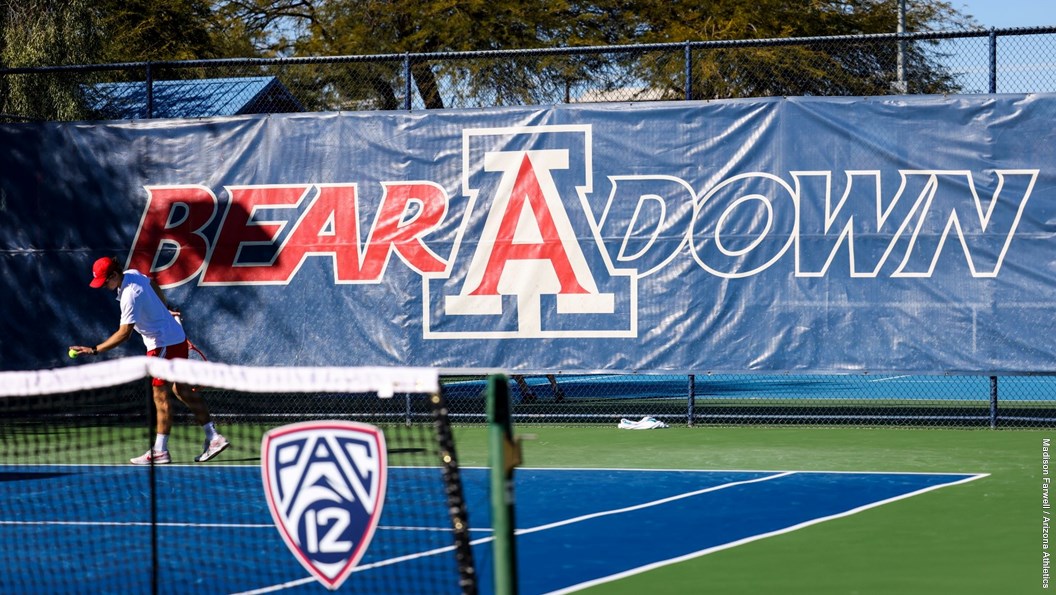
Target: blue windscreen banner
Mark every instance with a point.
(828, 235)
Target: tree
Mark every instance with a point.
(390, 38)
(865, 68)
(36, 33)
(57, 32)
(395, 27)
(70, 32)
(151, 30)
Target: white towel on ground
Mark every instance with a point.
(646, 423)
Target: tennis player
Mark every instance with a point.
(528, 396)
(144, 309)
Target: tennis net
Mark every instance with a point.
(327, 479)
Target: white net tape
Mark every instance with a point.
(381, 380)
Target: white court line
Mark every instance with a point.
(641, 569)
(360, 568)
(889, 378)
(207, 525)
(924, 378)
(725, 546)
(595, 515)
(709, 471)
(145, 468)
(136, 524)
(299, 582)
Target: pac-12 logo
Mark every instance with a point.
(325, 484)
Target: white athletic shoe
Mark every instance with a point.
(157, 457)
(211, 448)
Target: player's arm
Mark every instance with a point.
(174, 310)
(157, 289)
(121, 335)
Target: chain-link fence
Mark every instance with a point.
(773, 399)
(979, 61)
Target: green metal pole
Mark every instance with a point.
(503, 456)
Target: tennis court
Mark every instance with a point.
(978, 537)
(724, 509)
(582, 526)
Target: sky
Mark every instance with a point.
(1024, 66)
(1009, 13)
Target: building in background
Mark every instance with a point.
(191, 98)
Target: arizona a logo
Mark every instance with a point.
(325, 485)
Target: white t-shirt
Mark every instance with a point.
(141, 307)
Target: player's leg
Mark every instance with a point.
(215, 443)
(161, 406)
(159, 453)
(194, 401)
(527, 396)
(559, 395)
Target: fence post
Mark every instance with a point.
(993, 61)
(993, 402)
(901, 58)
(150, 92)
(688, 63)
(692, 413)
(407, 81)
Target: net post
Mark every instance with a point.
(456, 501)
(504, 455)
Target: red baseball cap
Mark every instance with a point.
(101, 270)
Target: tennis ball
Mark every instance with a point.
(73, 353)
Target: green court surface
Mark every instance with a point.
(981, 537)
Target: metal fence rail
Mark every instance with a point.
(940, 400)
(974, 61)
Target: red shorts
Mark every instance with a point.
(177, 351)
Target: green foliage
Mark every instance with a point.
(53, 32)
(45, 33)
(71, 32)
(394, 27)
(807, 69)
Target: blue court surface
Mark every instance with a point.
(576, 527)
